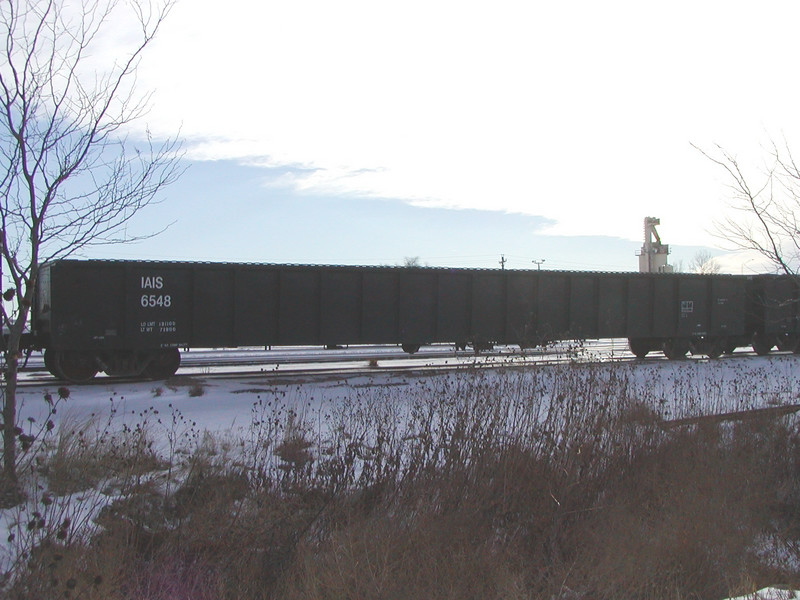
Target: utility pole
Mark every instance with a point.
(503, 261)
(538, 264)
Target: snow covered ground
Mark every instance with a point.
(771, 594)
(229, 407)
(673, 389)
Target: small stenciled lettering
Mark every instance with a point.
(158, 327)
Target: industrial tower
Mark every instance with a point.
(653, 257)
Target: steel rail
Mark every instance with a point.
(216, 364)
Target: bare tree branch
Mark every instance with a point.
(766, 213)
(70, 175)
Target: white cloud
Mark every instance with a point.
(579, 111)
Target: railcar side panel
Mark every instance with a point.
(340, 305)
(553, 306)
(778, 305)
(380, 309)
(582, 306)
(417, 306)
(299, 312)
(256, 306)
(488, 306)
(611, 306)
(521, 305)
(454, 310)
(213, 307)
(86, 310)
(694, 307)
(727, 307)
(158, 304)
(665, 306)
(640, 307)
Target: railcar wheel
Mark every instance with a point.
(710, 347)
(410, 348)
(715, 348)
(788, 343)
(638, 347)
(762, 344)
(164, 364)
(77, 367)
(50, 364)
(676, 349)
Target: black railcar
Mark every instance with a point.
(773, 314)
(132, 317)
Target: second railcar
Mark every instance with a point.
(773, 313)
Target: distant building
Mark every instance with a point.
(653, 257)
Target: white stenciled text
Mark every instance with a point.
(156, 301)
(152, 282)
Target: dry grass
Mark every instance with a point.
(84, 456)
(479, 488)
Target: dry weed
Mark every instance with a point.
(555, 484)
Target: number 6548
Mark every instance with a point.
(156, 300)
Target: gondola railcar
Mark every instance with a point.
(133, 317)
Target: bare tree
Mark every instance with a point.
(70, 176)
(704, 263)
(767, 206)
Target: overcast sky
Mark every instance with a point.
(576, 117)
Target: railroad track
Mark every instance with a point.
(304, 362)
